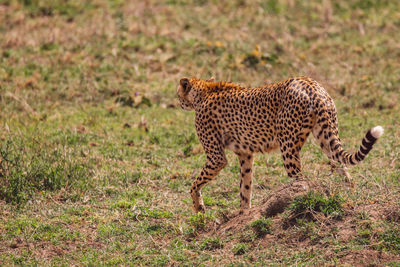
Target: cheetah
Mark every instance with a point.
(258, 120)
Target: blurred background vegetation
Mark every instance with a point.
(96, 157)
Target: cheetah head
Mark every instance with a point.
(190, 90)
(185, 94)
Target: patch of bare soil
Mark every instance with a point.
(368, 257)
(47, 249)
(343, 230)
(273, 205)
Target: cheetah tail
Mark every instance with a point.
(339, 154)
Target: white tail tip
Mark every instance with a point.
(377, 131)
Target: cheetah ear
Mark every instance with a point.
(212, 79)
(185, 83)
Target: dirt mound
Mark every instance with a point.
(352, 226)
(273, 205)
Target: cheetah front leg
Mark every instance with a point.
(213, 166)
(246, 174)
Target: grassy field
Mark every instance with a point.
(97, 158)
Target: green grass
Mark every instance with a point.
(391, 239)
(211, 244)
(315, 202)
(97, 158)
(261, 227)
(240, 249)
(29, 166)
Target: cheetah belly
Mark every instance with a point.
(251, 130)
(262, 144)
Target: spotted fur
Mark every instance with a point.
(253, 120)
